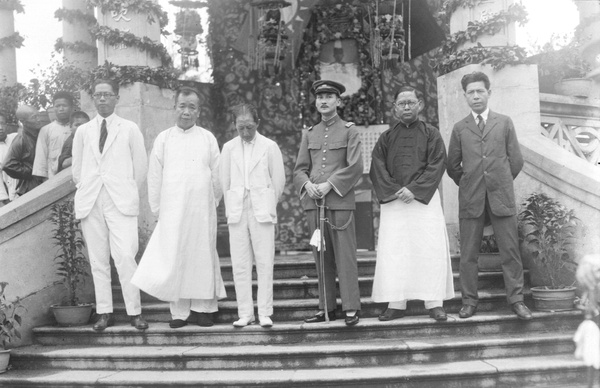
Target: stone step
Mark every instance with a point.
(371, 353)
(530, 371)
(298, 309)
(303, 288)
(501, 322)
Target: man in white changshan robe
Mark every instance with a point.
(180, 264)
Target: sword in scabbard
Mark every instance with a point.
(320, 202)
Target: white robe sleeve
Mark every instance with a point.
(139, 156)
(214, 168)
(40, 162)
(155, 172)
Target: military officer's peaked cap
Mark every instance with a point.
(326, 86)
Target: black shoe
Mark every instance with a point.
(467, 311)
(390, 314)
(438, 314)
(177, 323)
(522, 311)
(138, 322)
(352, 320)
(205, 319)
(103, 322)
(320, 317)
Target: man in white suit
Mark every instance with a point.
(253, 178)
(109, 168)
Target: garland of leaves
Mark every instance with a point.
(497, 57)
(165, 78)
(450, 6)
(13, 5)
(515, 13)
(77, 46)
(14, 40)
(361, 107)
(113, 36)
(75, 15)
(152, 10)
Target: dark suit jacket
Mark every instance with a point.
(485, 163)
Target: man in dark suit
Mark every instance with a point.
(483, 159)
(328, 166)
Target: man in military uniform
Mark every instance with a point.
(328, 166)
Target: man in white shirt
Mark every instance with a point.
(52, 136)
(109, 168)
(8, 185)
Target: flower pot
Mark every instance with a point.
(72, 315)
(4, 358)
(546, 299)
(489, 262)
(574, 87)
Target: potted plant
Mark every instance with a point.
(562, 71)
(71, 265)
(9, 320)
(548, 230)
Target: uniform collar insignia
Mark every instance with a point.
(331, 120)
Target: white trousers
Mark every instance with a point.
(181, 308)
(401, 304)
(108, 232)
(252, 241)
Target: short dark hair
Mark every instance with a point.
(64, 95)
(79, 115)
(476, 76)
(186, 91)
(244, 108)
(113, 84)
(408, 88)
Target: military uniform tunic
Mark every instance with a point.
(331, 151)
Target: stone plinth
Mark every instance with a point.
(137, 24)
(151, 108)
(463, 15)
(8, 55)
(514, 93)
(78, 32)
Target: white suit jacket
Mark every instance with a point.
(266, 179)
(121, 167)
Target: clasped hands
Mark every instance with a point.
(405, 195)
(317, 191)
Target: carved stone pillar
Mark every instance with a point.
(135, 23)
(78, 32)
(8, 56)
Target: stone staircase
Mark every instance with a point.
(491, 349)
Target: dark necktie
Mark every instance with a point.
(103, 135)
(480, 123)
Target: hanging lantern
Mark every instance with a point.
(271, 43)
(387, 34)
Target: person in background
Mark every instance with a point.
(65, 158)
(180, 264)
(18, 163)
(413, 257)
(328, 166)
(253, 179)
(483, 159)
(109, 168)
(52, 136)
(8, 185)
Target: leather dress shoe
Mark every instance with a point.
(352, 320)
(103, 322)
(265, 321)
(205, 319)
(467, 311)
(177, 323)
(320, 317)
(438, 314)
(138, 322)
(390, 314)
(522, 311)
